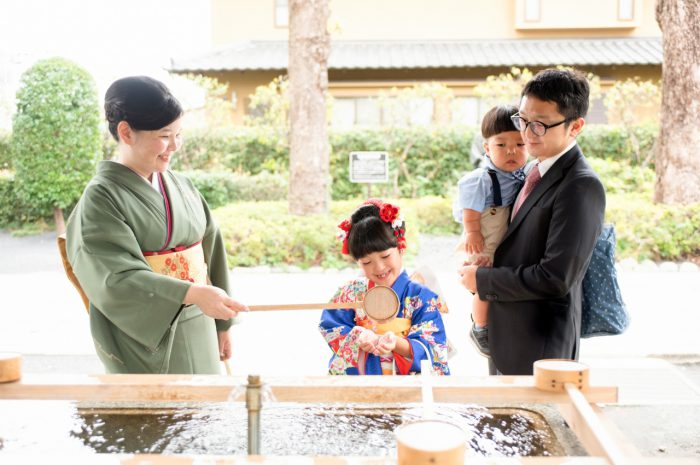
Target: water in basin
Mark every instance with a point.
(287, 429)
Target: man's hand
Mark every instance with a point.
(468, 277)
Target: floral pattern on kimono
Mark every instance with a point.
(426, 335)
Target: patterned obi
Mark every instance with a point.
(184, 262)
(398, 326)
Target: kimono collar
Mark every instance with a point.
(518, 174)
(125, 176)
(399, 285)
(128, 179)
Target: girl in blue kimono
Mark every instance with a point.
(374, 237)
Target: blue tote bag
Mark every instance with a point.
(603, 312)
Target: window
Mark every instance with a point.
(532, 10)
(625, 10)
(465, 110)
(349, 112)
(413, 112)
(343, 113)
(281, 13)
(367, 111)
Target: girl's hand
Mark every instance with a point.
(386, 343)
(368, 340)
(224, 345)
(475, 242)
(213, 302)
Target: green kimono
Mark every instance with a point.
(137, 319)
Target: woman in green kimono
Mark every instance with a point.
(145, 248)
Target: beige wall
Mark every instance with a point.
(241, 20)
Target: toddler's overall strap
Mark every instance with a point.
(497, 201)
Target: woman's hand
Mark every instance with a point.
(213, 302)
(225, 350)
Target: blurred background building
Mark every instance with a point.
(388, 44)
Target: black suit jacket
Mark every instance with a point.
(534, 286)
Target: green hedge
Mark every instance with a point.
(242, 150)
(435, 158)
(5, 150)
(13, 212)
(422, 161)
(221, 188)
(436, 161)
(619, 177)
(265, 233)
(657, 232)
(613, 142)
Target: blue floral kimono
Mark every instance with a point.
(418, 320)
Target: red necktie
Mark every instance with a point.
(532, 179)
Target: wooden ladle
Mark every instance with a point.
(380, 304)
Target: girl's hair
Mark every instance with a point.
(370, 233)
(143, 102)
(497, 120)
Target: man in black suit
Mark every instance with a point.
(534, 286)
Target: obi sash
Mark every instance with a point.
(186, 263)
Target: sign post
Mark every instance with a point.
(369, 168)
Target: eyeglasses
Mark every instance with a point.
(538, 128)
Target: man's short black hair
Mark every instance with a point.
(569, 89)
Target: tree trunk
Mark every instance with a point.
(677, 161)
(59, 221)
(309, 47)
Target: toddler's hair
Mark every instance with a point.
(497, 120)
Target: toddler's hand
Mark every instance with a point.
(475, 242)
(386, 343)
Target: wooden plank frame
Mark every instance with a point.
(576, 409)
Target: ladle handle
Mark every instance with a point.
(602, 441)
(329, 305)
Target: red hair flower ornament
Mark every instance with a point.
(388, 213)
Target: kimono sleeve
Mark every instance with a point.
(427, 334)
(217, 264)
(338, 329)
(107, 259)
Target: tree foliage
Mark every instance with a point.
(505, 88)
(632, 103)
(215, 112)
(56, 138)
